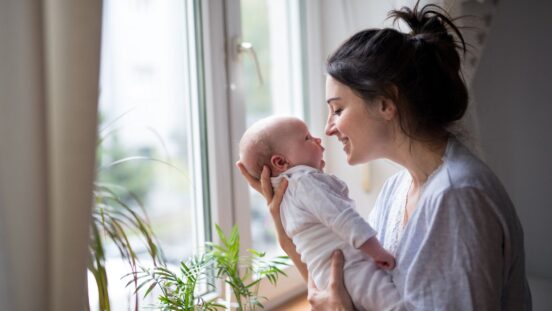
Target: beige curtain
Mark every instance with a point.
(477, 19)
(49, 65)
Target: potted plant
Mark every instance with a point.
(241, 274)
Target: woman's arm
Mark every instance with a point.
(274, 200)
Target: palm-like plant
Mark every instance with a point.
(243, 273)
(179, 290)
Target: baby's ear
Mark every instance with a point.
(279, 162)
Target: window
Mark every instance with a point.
(279, 84)
(151, 129)
(175, 99)
(275, 86)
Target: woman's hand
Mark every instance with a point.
(334, 297)
(274, 199)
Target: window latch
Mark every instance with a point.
(247, 48)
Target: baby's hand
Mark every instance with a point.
(382, 258)
(385, 261)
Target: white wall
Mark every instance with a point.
(512, 88)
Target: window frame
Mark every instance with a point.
(221, 24)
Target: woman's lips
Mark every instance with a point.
(345, 142)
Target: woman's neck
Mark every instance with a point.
(421, 159)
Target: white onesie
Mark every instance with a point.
(319, 216)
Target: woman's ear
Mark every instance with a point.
(279, 162)
(387, 108)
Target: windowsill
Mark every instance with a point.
(298, 303)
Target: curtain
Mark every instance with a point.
(49, 65)
(477, 16)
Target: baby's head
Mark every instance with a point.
(280, 143)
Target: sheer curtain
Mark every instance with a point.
(477, 19)
(49, 63)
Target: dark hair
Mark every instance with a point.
(420, 70)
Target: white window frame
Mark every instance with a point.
(226, 119)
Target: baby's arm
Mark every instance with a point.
(336, 210)
(382, 258)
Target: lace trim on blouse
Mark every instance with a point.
(395, 228)
(395, 224)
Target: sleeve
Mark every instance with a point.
(457, 263)
(327, 198)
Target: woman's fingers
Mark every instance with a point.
(313, 295)
(278, 197)
(274, 207)
(252, 181)
(266, 185)
(273, 199)
(311, 286)
(336, 271)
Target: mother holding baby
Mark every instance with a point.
(446, 217)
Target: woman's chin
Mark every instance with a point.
(351, 160)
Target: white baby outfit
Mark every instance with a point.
(319, 216)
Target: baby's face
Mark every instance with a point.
(301, 148)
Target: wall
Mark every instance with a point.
(512, 89)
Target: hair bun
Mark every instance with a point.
(430, 23)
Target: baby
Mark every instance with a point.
(316, 211)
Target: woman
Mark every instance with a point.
(446, 217)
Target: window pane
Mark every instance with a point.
(273, 29)
(149, 116)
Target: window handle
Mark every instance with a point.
(247, 48)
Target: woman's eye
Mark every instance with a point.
(337, 112)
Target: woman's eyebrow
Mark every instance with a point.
(332, 99)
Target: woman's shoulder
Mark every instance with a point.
(462, 169)
(465, 179)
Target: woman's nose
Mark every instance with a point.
(330, 127)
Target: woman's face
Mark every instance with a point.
(364, 130)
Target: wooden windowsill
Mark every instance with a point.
(299, 303)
